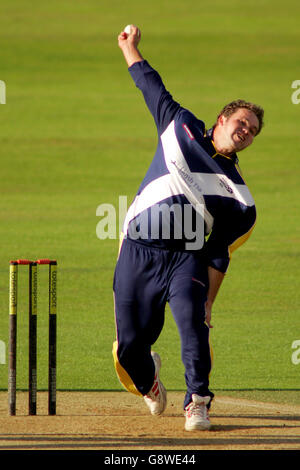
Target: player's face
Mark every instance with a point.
(239, 129)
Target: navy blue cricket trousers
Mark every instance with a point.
(145, 280)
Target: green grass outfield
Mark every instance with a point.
(75, 133)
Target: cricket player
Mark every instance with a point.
(192, 210)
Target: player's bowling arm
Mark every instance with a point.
(128, 43)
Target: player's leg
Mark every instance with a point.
(187, 296)
(139, 312)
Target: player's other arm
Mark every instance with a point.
(227, 235)
(215, 279)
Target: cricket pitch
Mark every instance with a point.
(120, 421)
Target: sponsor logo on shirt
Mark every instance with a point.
(225, 185)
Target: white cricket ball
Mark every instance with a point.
(127, 30)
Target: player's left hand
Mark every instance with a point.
(208, 309)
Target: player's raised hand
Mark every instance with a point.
(130, 36)
(128, 41)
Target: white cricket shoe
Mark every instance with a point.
(196, 414)
(156, 399)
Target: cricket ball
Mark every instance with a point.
(127, 30)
